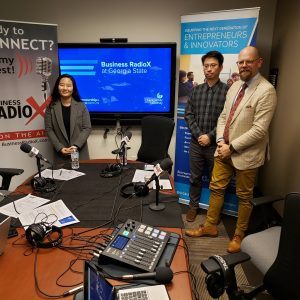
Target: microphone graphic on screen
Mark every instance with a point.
(164, 165)
(162, 274)
(32, 151)
(44, 68)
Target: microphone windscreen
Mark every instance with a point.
(166, 164)
(128, 134)
(25, 147)
(163, 274)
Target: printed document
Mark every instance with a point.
(60, 174)
(55, 213)
(22, 205)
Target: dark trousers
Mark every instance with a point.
(199, 158)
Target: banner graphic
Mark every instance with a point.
(28, 69)
(227, 32)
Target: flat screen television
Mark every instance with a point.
(122, 81)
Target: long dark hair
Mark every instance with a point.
(55, 93)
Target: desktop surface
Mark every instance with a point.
(17, 269)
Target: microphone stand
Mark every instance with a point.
(157, 206)
(123, 157)
(39, 166)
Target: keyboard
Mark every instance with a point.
(138, 295)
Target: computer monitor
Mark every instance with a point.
(122, 81)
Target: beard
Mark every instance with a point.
(245, 74)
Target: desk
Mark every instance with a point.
(17, 279)
(95, 200)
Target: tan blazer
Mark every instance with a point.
(248, 131)
(80, 128)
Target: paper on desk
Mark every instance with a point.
(165, 184)
(60, 174)
(139, 176)
(149, 167)
(49, 213)
(23, 205)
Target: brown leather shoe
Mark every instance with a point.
(191, 214)
(210, 231)
(234, 245)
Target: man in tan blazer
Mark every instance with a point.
(243, 144)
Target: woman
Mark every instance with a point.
(67, 120)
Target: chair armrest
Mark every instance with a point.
(266, 200)
(7, 174)
(10, 171)
(210, 266)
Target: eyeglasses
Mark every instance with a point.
(206, 66)
(247, 62)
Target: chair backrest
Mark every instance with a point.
(283, 278)
(156, 137)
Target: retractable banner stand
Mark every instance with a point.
(28, 69)
(227, 32)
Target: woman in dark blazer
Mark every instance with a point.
(67, 120)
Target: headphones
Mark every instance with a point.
(138, 189)
(111, 170)
(217, 282)
(43, 185)
(36, 233)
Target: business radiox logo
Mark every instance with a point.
(15, 109)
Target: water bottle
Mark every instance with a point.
(75, 159)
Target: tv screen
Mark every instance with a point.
(122, 81)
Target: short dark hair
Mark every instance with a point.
(55, 93)
(214, 54)
(182, 74)
(189, 73)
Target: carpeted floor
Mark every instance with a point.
(202, 248)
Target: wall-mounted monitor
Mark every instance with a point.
(122, 81)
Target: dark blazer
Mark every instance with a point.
(80, 129)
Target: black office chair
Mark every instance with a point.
(156, 137)
(273, 251)
(7, 174)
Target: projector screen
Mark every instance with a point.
(122, 81)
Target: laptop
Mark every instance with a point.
(4, 228)
(96, 287)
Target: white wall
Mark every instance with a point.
(139, 21)
(282, 174)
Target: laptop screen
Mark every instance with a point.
(95, 285)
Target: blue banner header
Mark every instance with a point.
(226, 36)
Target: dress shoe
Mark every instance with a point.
(234, 245)
(191, 214)
(210, 231)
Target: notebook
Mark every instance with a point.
(96, 287)
(4, 228)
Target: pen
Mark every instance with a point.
(72, 291)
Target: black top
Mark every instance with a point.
(66, 113)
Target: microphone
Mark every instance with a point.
(162, 274)
(43, 67)
(125, 139)
(164, 165)
(32, 151)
